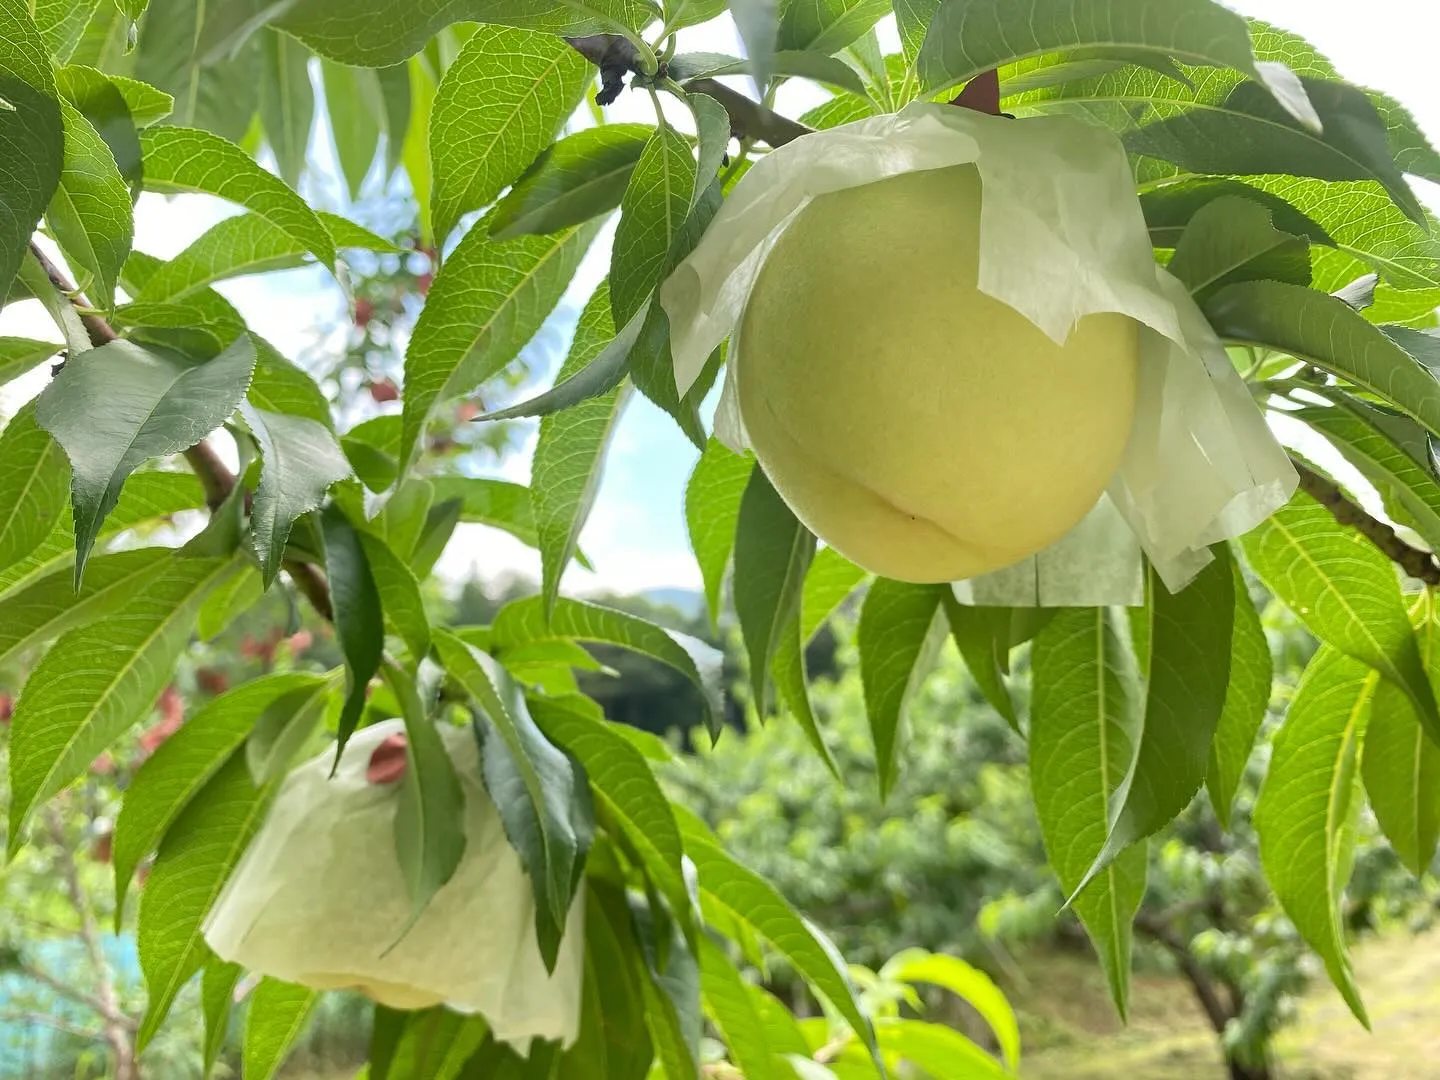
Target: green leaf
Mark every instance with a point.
(300, 460)
(1232, 239)
(540, 793)
(1390, 450)
(218, 95)
(733, 892)
(613, 1040)
(500, 104)
(217, 999)
(61, 22)
(942, 1052)
(184, 159)
(1345, 591)
(569, 457)
(732, 1010)
(967, 37)
(1246, 699)
(281, 387)
(712, 512)
(358, 615)
(982, 636)
(51, 605)
(897, 640)
(825, 26)
(34, 480)
(487, 301)
(153, 405)
(758, 22)
(670, 988)
(434, 1045)
(522, 621)
(682, 13)
(623, 784)
(1401, 766)
(18, 356)
(817, 67)
(287, 102)
(33, 280)
(1307, 808)
(395, 96)
(772, 553)
(415, 150)
(90, 211)
(97, 681)
(1170, 209)
(500, 504)
(147, 497)
(1084, 714)
(102, 103)
(199, 852)
(655, 206)
(377, 33)
(430, 836)
(1249, 133)
(355, 105)
(970, 985)
(184, 763)
(31, 137)
(578, 178)
(240, 245)
(287, 727)
(399, 595)
(105, 41)
(1187, 636)
(275, 1018)
(712, 138)
(1330, 334)
(147, 104)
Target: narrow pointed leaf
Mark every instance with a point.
(487, 301)
(275, 1018)
(200, 850)
(1309, 804)
(655, 206)
(31, 136)
(982, 635)
(570, 452)
(399, 595)
(732, 1010)
(97, 681)
(287, 102)
(114, 407)
(499, 105)
(772, 553)
(1188, 659)
(358, 614)
(1084, 713)
(217, 1000)
(1345, 591)
(34, 483)
(101, 101)
(827, 26)
(1232, 239)
(712, 511)
(184, 764)
(1401, 766)
(897, 642)
(217, 94)
(758, 22)
(19, 355)
(90, 211)
(353, 104)
(186, 159)
(580, 177)
(300, 459)
(1246, 699)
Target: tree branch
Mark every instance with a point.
(1199, 980)
(217, 480)
(1415, 562)
(10, 1016)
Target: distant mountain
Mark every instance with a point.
(689, 602)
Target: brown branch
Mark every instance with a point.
(217, 480)
(1415, 562)
(94, 1004)
(749, 119)
(1199, 980)
(12, 1016)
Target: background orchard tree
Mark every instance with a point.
(1275, 192)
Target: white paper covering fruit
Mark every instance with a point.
(1061, 236)
(318, 899)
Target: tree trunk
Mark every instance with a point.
(1239, 1071)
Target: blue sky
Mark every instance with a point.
(636, 534)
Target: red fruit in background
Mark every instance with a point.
(422, 282)
(300, 641)
(468, 410)
(383, 390)
(171, 706)
(364, 312)
(212, 681)
(100, 850)
(103, 765)
(7, 708)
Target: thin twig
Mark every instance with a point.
(217, 480)
(1419, 564)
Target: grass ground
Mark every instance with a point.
(1073, 1034)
